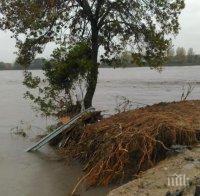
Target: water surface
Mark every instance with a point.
(42, 173)
(144, 85)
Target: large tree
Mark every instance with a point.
(143, 26)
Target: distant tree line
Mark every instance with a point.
(36, 64)
(5, 66)
(181, 57)
(178, 57)
(123, 60)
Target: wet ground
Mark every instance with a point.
(178, 175)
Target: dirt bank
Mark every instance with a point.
(118, 148)
(178, 175)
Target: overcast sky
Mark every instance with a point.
(189, 35)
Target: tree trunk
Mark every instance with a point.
(93, 75)
(92, 82)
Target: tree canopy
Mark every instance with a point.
(142, 26)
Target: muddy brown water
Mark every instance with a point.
(43, 173)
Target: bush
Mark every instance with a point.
(65, 79)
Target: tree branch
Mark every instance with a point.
(87, 9)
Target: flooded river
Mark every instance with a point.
(43, 173)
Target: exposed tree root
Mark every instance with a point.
(119, 147)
